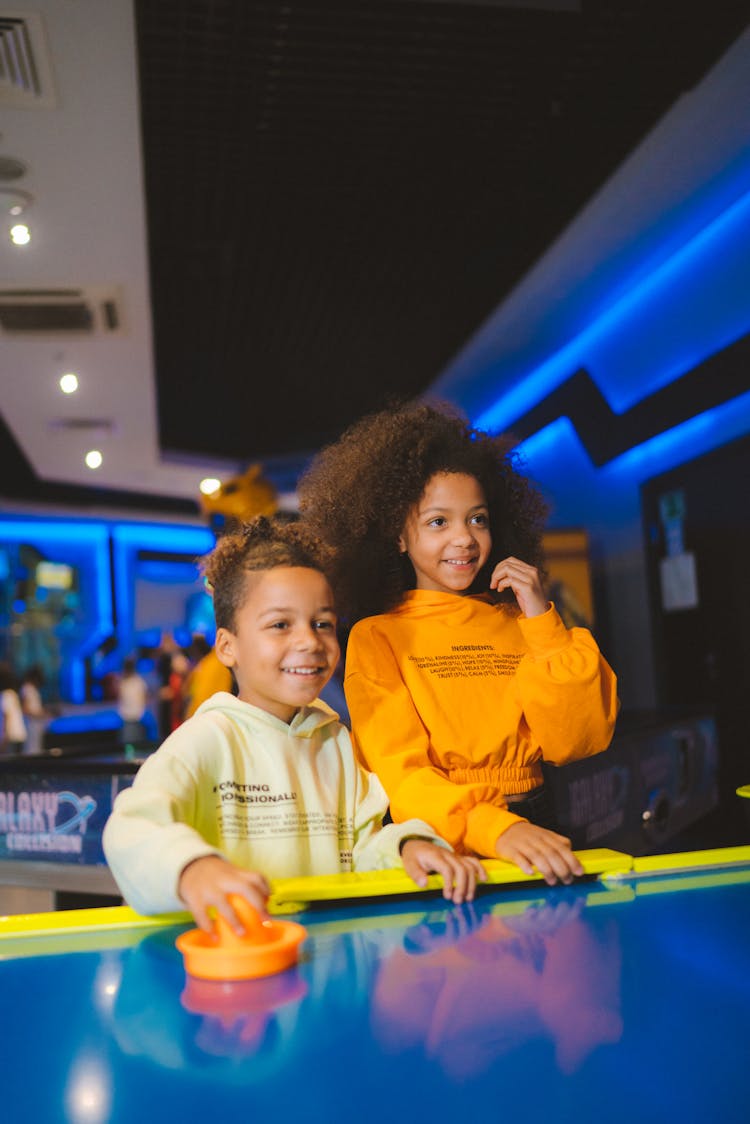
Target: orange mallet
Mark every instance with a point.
(265, 948)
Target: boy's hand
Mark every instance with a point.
(460, 873)
(208, 881)
(525, 582)
(529, 846)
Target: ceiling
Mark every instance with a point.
(296, 210)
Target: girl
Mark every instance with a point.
(460, 675)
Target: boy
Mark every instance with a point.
(264, 784)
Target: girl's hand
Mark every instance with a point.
(460, 873)
(525, 582)
(208, 881)
(530, 847)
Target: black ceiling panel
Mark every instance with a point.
(340, 192)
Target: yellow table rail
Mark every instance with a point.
(691, 860)
(294, 894)
(291, 895)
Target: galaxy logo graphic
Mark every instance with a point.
(34, 822)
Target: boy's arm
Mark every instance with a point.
(148, 840)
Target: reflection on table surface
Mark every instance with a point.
(474, 988)
(550, 1003)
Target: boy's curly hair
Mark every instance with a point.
(260, 544)
(357, 492)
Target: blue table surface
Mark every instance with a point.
(627, 1001)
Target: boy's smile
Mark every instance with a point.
(447, 536)
(283, 649)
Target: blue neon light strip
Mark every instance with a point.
(684, 442)
(563, 363)
(547, 441)
(687, 440)
(163, 536)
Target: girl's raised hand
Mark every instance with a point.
(525, 582)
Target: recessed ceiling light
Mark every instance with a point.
(209, 485)
(20, 234)
(93, 458)
(69, 383)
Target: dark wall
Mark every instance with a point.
(702, 651)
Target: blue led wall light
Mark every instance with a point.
(690, 307)
(105, 612)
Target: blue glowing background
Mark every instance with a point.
(102, 628)
(691, 306)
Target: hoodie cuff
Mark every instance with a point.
(545, 634)
(485, 823)
(438, 842)
(418, 829)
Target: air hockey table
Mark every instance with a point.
(624, 997)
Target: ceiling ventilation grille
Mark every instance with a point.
(95, 310)
(25, 66)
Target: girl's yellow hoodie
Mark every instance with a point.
(455, 701)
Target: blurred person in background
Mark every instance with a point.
(132, 701)
(167, 649)
(35, 712)
(13, 731)
(207, 676)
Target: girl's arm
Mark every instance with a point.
(412, 844)
(391, 740)
(568, 691)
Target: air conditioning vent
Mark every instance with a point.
(95, 310)
(60, 317)
(25, 66)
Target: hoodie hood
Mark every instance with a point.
(305, 723)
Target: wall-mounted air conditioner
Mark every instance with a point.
(95, 310)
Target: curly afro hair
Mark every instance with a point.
(357, 492)
(260, 544)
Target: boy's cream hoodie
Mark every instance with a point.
(233, 780)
